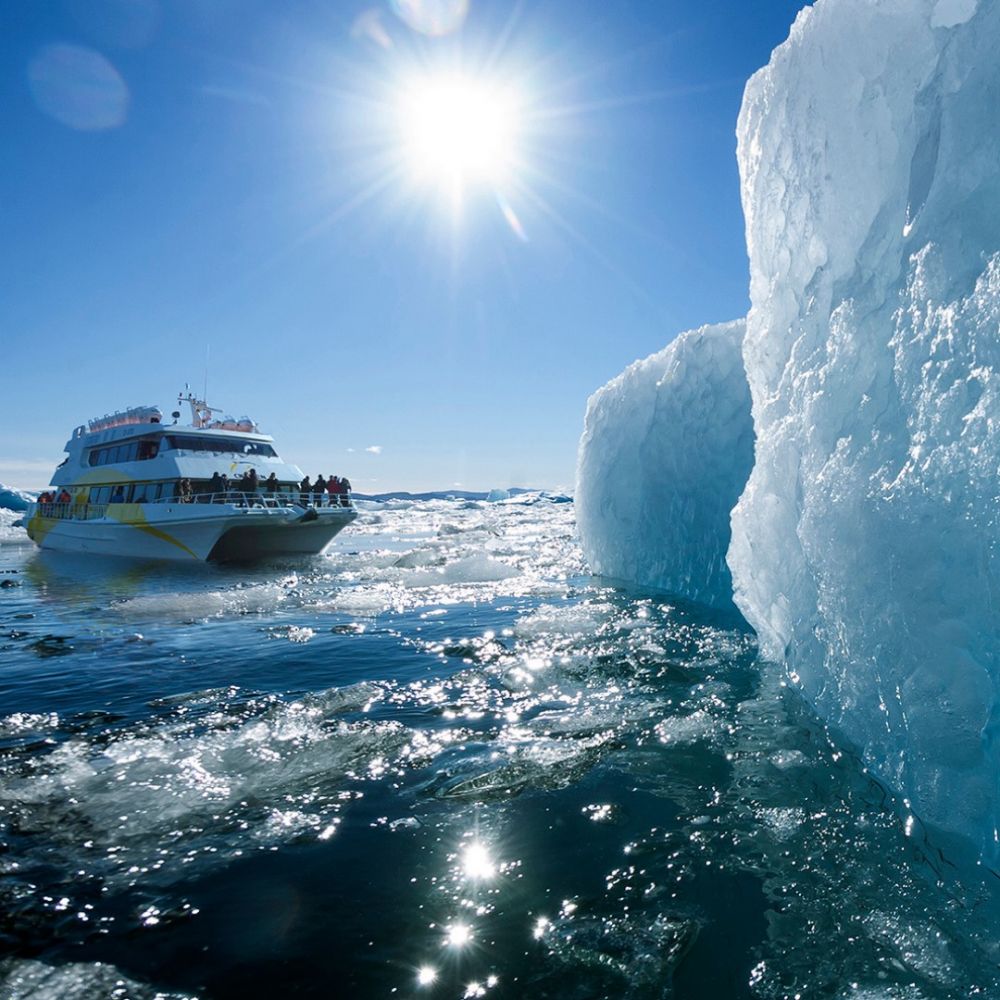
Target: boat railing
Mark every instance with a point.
(269, 501)
(69, 511)
(232, 498)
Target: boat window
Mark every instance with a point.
(131, 451)
(227, 446)
(100, 494)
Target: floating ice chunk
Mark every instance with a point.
(32, 980)
(210, 604)
(12, 530)
(575, 619)
(666, 450)
(477, 568)
(683, 729)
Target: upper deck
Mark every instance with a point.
(136, 446)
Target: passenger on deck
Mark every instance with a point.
(64, 497)
(345, 491)
(183, 491)
(253, 481)
(319, 490)
(305, 494)
(215, 484)
(45, 498)
(271, 484)
(333, 489)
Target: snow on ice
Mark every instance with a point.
(865, 547)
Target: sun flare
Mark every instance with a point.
(457, 130)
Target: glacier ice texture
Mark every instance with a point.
(865, 548)
(666, 450)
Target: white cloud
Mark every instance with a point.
(350, 451)
(374, 449)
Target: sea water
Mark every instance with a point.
(440, 760)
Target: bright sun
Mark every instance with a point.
(458, 130)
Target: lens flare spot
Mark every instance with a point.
(510, 217)
(78, 88)
(432, 17)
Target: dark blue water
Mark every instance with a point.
(439, 761)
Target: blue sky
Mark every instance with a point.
(225, 178)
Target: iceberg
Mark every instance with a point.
(12, 499)
(666, 450)
(865, 549)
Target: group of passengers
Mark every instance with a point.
(335, 491)
(62, 497)
(332, 492)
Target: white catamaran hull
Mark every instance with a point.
(188, 532)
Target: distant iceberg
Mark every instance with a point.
(866, 546)
(12, 499)
(666, 450)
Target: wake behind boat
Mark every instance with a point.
(133, 486)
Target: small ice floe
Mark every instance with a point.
(23, 979)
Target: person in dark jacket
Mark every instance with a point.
(345, 491)
(271, 484)
(319, 490)
(305, 492)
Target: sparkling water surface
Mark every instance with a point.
(439, 761)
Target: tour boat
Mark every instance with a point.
(132, 485)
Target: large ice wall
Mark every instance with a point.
(666, 450)
(866, 547)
